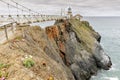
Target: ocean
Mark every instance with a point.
(109, 29)
(43, 24)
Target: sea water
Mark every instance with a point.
(43, 24)
(109, 29)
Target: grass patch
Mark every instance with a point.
(18, 38)
(4, 65)
(28, 62)
(85, 23)
(84, 33)
(1, 29)
(3, 72)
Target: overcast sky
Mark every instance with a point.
(83, 7)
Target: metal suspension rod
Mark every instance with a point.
(9, 8)
(22, 12)
(29, 11)
(17, 9)
(24, 7)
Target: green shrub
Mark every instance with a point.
(1, 74)
(28, 62)
(1, 65)
(18, 38)
(86, 23)
(4, 65)
(5, 75)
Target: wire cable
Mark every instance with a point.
(14, 6)
(25, 7)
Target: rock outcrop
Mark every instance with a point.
(68, 50)
(79, 47)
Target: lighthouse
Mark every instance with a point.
(69, 13)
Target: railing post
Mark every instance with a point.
(12, 27)
(6, 34)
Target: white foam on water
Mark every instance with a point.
(111, 78)
(113, 69)
(93, 76)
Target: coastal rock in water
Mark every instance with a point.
(102, 59)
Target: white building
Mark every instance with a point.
(69, 13)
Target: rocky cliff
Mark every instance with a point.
(68, 50)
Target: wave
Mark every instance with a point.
(111, 78)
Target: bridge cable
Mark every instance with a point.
(9, 12)
(25, 7)
(13, 6)
(29, 10)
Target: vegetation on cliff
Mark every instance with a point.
(68, 50)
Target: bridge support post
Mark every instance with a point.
(12, 27)
(6, 34)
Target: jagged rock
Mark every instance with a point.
(79, 47)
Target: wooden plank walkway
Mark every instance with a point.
(2, 24)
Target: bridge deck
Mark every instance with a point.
(5, 23)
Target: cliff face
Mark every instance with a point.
(69, 50)
(79, 47)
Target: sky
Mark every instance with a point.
(83, 7)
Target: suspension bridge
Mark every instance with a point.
(23, 15)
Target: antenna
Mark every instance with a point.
(68, 3)
(61, 11)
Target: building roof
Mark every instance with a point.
(69, 8)
(78, 15)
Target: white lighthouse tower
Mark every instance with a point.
(69, 13)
